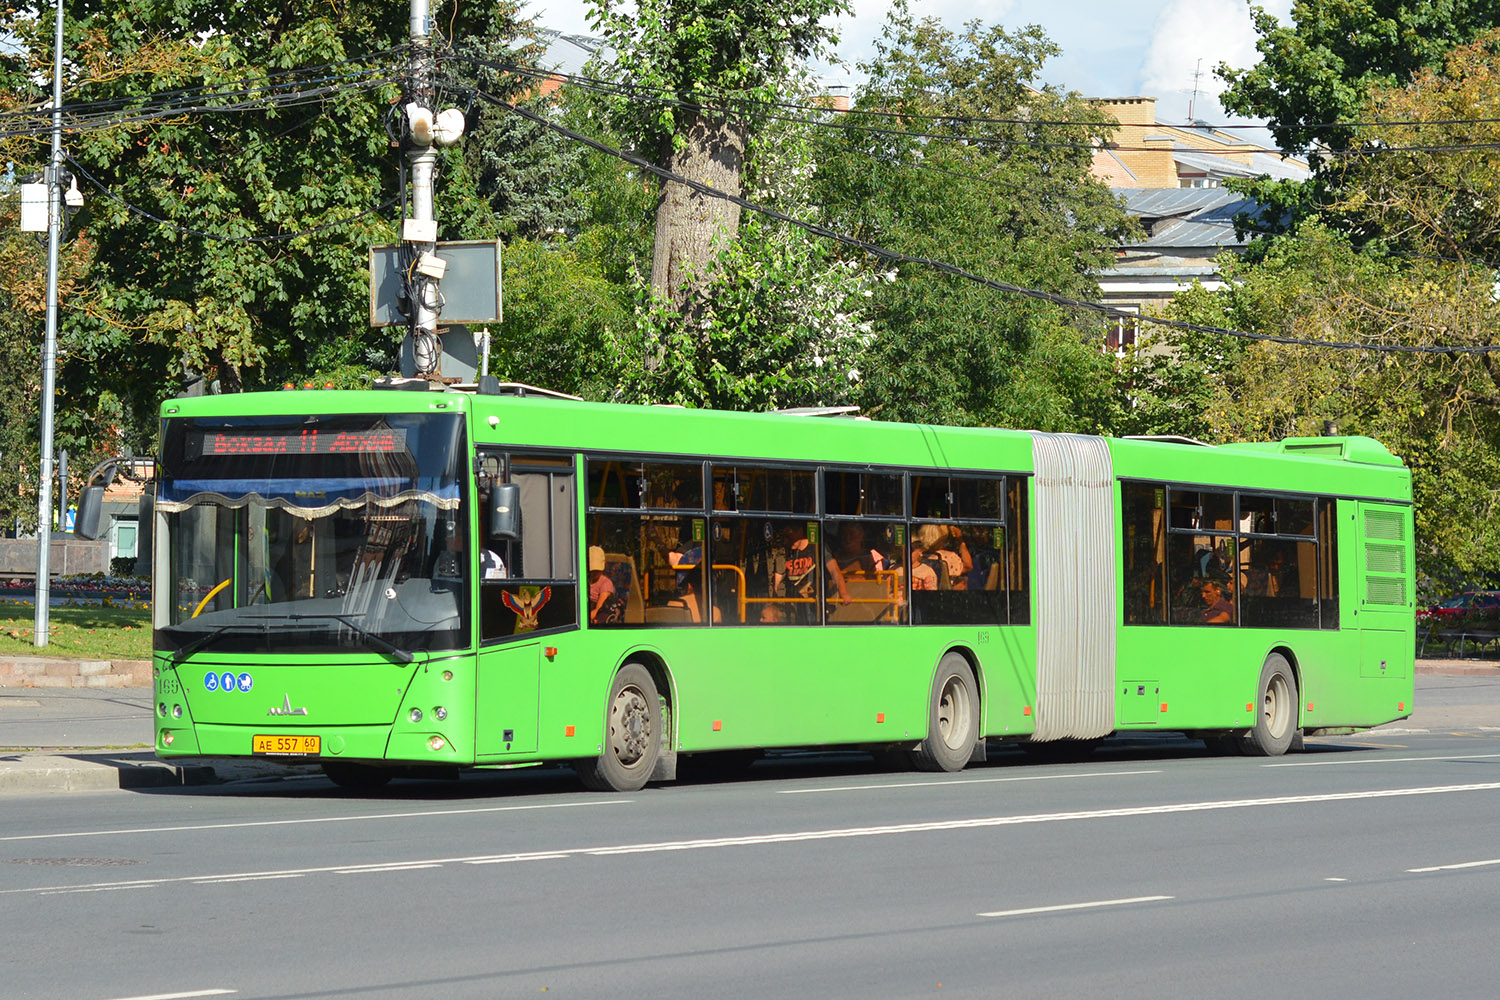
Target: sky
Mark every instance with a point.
(1110, 48)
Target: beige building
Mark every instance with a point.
(1170, 178)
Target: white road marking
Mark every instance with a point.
(1450, 868)
(1074, 906)
(97, 888)
(242, 878)
(378, 869)
(183, 996)
(1335, 880)
(805, 836)
(939, 783)
(1382, 760)
(317, 819)
(548, 856)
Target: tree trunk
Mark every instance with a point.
(689, 225)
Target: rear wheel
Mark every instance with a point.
(953, 721)
(632, 735)
(1276, 725)
(357, 777)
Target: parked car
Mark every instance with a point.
(1461, 604)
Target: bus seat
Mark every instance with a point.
(869, 601)
(620, 568)
(668, 614)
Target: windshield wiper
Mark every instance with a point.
(208, 637)
(379, 642)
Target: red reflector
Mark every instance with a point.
(879, 716)
(1400, 706)
(1309, 706)
(551, 652)
(718, 725)
(567, 730)
(1163, 706)
(1249, 707)
(1026, 710)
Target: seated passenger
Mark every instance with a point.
(1218, 609)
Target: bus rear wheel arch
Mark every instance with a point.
(953, 717)
(632, 734)
(1276, 710)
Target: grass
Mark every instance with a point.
(87, 633)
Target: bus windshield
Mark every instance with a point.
(309, 534)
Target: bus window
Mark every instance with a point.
(866, 570)
(658, 570)
(762, 572)
(1145, 556)
(763, 490)
(1195, 561)
(863, 494)
(957, 573)
(1017, 553)
(632, 485)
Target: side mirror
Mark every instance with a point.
(504, 513)
(90, 512)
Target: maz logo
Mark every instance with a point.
(285, 708)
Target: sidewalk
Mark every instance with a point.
(64, 738)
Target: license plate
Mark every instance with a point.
(287, 744)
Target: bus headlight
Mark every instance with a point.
(176, 711)
(415, 715)
(440, 713)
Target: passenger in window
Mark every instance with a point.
(1263, 578)
(853, 555)
(605, 606)
(1217, 608)
(935, 543)
(773, 614)
(801, 563)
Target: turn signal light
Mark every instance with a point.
(436, 743)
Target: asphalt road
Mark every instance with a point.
(1367, 864)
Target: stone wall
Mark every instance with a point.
(47, 671)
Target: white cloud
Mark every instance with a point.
(1187, 31)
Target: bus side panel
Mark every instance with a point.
(782, 687)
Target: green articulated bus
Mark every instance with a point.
(429, 581)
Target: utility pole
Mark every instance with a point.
(49, 349)
(425, 128)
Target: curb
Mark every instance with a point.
(47, 671)
(39, 773)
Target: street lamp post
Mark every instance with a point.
(49, 348)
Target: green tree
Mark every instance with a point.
(285, 131)
(970, 166)
(683, 66)
(1320, 69)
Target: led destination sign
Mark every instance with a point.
(297, 441)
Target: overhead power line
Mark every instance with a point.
(942, 266)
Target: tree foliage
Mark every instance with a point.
(1315, 74)
(1008, 197)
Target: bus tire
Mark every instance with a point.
(357, 777)
(953, 719)
(632, 735)
(1276, 722)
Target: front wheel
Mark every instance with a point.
(1276, 725)
(953, 721)
(632, 735)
